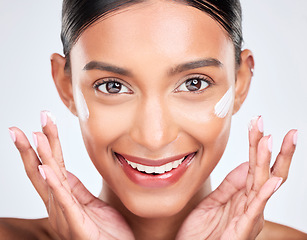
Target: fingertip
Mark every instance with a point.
(12, 134)
(43, 116)
(270, 143)
(295, 136)
(252, 123)
(35, 141)
(278, 184)
(265, 143)
(260, 124)
(42, 171)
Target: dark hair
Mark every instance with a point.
(77, 15)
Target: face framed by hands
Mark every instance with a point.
(145, 84)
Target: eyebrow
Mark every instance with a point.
(207, 62)
(106, 67)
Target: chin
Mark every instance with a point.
(157, 210)
(156, 204)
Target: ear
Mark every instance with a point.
(62, 81)
(244, 77)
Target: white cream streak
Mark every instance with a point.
(222, 108)
(81, 105)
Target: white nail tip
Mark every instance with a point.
(252, 123)
(51, 117)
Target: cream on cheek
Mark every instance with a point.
(222, 108)
(82, 109)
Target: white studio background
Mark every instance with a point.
(276, 32)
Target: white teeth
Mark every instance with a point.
(168, 167)
(156, 169)
(176, 163)
(133, 164)
(160, 169)
(140, 167)
(149, 169)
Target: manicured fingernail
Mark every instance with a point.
(51, 117)
(295, 135)
(43, 118)
(35, 139)
(278, 184)
(260, 124)
(42, 172)
(252, 123)
(270, 143)
(13, 135)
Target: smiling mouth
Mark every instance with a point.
(156, 170)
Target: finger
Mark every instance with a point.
(234, 182)
(262, 168)
(255, 134)
(30, 161)
(250, 219)
(49, 127)
(284, 158)
(45, 154)
(67, 203)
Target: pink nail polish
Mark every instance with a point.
(42, 172)
(295, 135)
(252, 123)
(278, 184)
(13, 135)
(43, 118)
(35, 139)
(260, 124)
(270, 143)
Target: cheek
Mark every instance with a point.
(200, 122)
(105, 125)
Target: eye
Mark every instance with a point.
(194, 84)
(111, 87)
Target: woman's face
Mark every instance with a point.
(146, 81)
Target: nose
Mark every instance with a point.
(154, 126)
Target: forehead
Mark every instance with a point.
(156, 29)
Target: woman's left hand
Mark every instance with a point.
(234, 211)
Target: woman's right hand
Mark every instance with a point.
(74, 213)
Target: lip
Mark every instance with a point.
(160, 180)
(151, 162)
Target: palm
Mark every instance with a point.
(235, 209)
(100, 221)
(222, 212)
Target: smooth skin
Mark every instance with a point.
(155, 120)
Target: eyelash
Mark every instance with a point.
(101, 82)
(203, 78)
(200, 78)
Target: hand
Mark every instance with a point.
(74, 213)
(234, 211)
